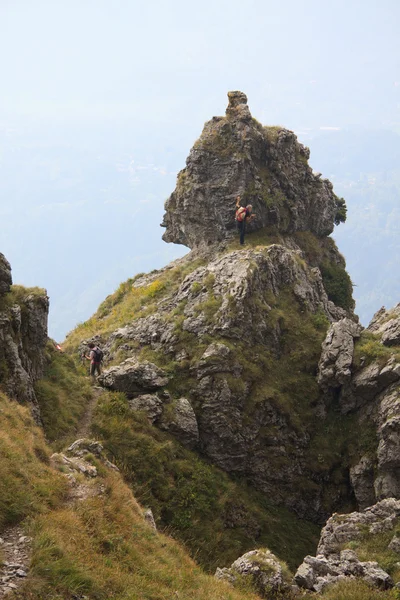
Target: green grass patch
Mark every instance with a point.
(62, 393)
(369, 349)
(27, 483)
(129, 302)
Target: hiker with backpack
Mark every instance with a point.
(243, 215)
(95, 357)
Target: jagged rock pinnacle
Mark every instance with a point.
(266, 166)
(237, 107)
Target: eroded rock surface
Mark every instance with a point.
(266, 166)
(133, 378)
(334, 561)
(337, 354)
(262, 571)
(23, 338)
(5, 275)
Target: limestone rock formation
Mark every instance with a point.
(5, 275)
(266, 166)
(369, 390)
(23, 337)
(335, 561)
(151, 404)
(387, 324)
(262, 571)
(337, 354)
(182, 423)
(133, 378)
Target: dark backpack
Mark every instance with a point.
(99, 354)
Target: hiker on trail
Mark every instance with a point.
(95, 357)
(243, 215)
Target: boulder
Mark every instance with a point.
(133, 378)
(182, 423)
(337, 354)
(151, 404)
(263, 572)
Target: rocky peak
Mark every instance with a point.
(237, 107)
(266, 166)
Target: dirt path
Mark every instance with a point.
(84, 427)
(15, 546)
(15, 549)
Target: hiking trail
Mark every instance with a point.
(86, 422)
(15, 554)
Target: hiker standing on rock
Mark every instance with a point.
(95, 357)
(243, 215)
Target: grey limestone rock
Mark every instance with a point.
(149, 518)
(5, 275)
(183, 423)
(261, 569)
(337, 354)
(362, 477)
(267, 167)
(387, 324)
(151, 404)
(23, 338)
(133, 378)
(333, 563)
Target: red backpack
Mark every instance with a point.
(240, 214)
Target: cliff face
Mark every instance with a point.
(266, 166)
(23, 337)
(364, 381)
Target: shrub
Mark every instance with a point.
(338, 285)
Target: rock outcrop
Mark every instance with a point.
(336, 561)
(133, 378)
(369, 390)
(23, 337)
(266, 166)
(337, 354)
(5, 275)
(261, 571)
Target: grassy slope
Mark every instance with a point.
(101, 547)
(62, 393)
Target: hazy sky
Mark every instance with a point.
(158, 61)
(101, 101)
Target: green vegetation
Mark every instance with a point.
(129, 302)
(271, 133)
(63, 394)
(375, 548)
(28, 485)
(369, 349)
(338, 285)
(218, 519)
(341, 211)
(100, 547)
(219, 139)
